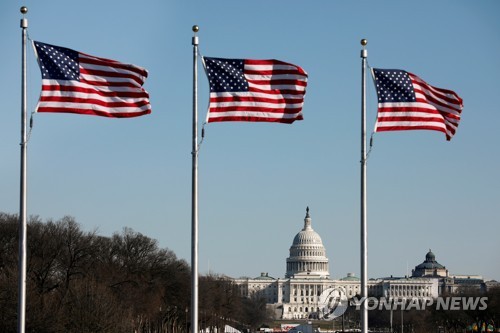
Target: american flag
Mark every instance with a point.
(255, 90)
(75, 82)
(406, 102)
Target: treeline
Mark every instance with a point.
(78, 281)
(455, 314)
(450, 319)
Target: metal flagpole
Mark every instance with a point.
(22, 206)
(364, 239)
(194, 201)
(390, 318)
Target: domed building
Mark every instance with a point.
(307, 276)
(430, 267)
(448, 283)
(297, 296)
(307, 254)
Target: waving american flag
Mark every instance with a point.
(406, 102)
(75, 82)
(255, 90)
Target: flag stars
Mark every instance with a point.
(394, 86)
(226, 75)
(57, 63)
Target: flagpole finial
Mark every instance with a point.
(364, 52)
(195, 37)
(24, 20)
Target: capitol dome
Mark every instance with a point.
(307, 254)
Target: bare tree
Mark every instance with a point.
(81, 282)
(8, 272)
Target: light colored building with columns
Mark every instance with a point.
(297, 296)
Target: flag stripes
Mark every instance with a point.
(255, 90)
(406, 102)
(75, 82)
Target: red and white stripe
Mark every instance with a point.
(276, 94)
(435, 109)
(106, 88)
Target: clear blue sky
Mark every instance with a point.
(256, 179)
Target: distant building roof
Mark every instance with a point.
(430, 262)
(350, 277)
(468, 281)
(264, 276)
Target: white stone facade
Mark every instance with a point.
(307, 254)
(297, 296)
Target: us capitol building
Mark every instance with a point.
(307, 276)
